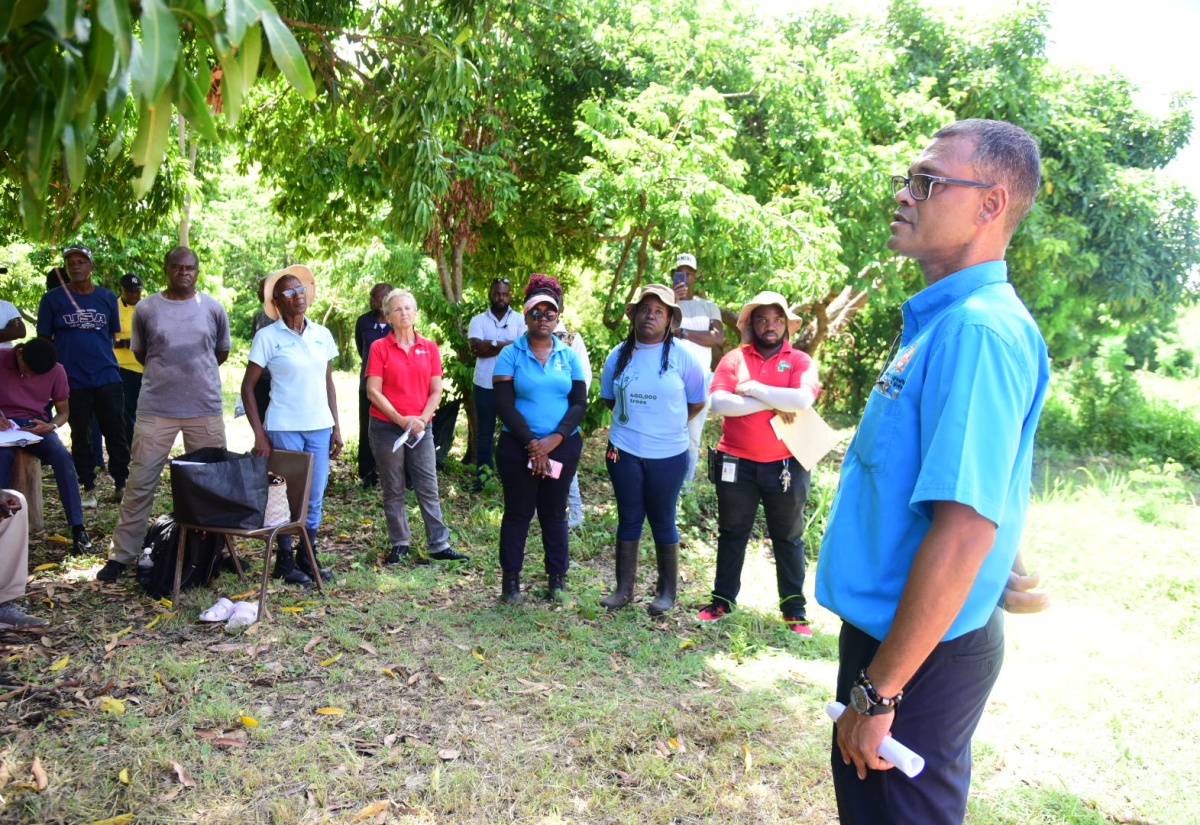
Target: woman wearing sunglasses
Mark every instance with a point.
(653, 389)
(540, 397)
(302, 414)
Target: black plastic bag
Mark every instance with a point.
(218, 488)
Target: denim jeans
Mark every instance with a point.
(942, 706)
(107, 404)
(646, 489)
(485, 426)
(315, 442)
(419, 464)
(49, 450)
(524, 493)
(737, 508)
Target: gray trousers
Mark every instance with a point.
(418, 463)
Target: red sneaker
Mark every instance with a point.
(799, 627)
(712, 612)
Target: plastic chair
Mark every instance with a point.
(296, 467)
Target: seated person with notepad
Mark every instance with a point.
(760, 379)
(30, 380)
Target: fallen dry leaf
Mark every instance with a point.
(686, 643)
(313, 642)
(123, 776)
(111, 705)
(447, 754)
(184, 777)
(249, 721)
(371, 810)
(747, 758)
(41, 567)
(57, 539)
(331, 659)
(478, 654)
(330, 711)
(59, 664)
(115, 820)
(390, 672)
(370, 648)
(229, 741)
(292, 609)
(39, 775)
(207, 733)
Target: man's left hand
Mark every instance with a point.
(859, 737)
(335, 442)
(1017, 597)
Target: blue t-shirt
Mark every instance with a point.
(83, 330)
(951, 418)
(651, 411)
(541, 390)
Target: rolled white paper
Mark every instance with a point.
(909, 762)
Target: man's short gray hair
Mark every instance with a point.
(1004, 154)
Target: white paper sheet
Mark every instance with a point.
(808, 437)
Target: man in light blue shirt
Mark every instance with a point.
(924, 531)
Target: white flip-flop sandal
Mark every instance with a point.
(244, 613)
(219, 612)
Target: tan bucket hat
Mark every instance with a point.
(298, 271)
(661, 292)
(769, 299)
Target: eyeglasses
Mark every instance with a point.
(920, 186)
(293, 292)
(539, 314)
(185, 269)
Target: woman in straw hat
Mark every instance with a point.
(653, 389)
(303, 411)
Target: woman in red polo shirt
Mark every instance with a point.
(404, 383)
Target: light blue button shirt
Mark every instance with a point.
(951, 418)
(541, 390)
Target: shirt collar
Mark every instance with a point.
(522, 344)
(923, 307)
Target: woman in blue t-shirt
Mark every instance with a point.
(540, 397)
(653, 389)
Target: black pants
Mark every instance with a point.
(132, 382)
(737, 509)
(941, 708)
(524, 492)
(366, 458)
(107, 404)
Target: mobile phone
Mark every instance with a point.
(678, 278)
(555, 467)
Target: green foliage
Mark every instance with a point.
(1099, 409)
(88, 94)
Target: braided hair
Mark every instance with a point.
(625, 355)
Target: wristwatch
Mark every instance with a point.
(867, 701)
(495, 343)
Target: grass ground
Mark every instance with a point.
(441, 706)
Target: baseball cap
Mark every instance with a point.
(130, 281)
(81, 249)
(686, 259)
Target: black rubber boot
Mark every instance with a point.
(558, 587)
(285, 563)
(627, 559)
(302, 558)
(668, 578)
(510, 589)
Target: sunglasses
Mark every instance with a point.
(293, 292)
(499, 281)
(539, 314)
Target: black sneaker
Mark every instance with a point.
(111, 571)
(449, 554)
(81, 543)
(399, 553)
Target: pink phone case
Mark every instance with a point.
(555, 467)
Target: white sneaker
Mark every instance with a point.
(89, 498)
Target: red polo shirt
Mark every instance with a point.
(406, 375)
(751, 436)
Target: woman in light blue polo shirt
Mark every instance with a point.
(540, 397)
(303, 412)
(653, 389)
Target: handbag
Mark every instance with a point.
(214, 487)
(279, 511)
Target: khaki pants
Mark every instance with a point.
(14, 552)
(153, 438)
